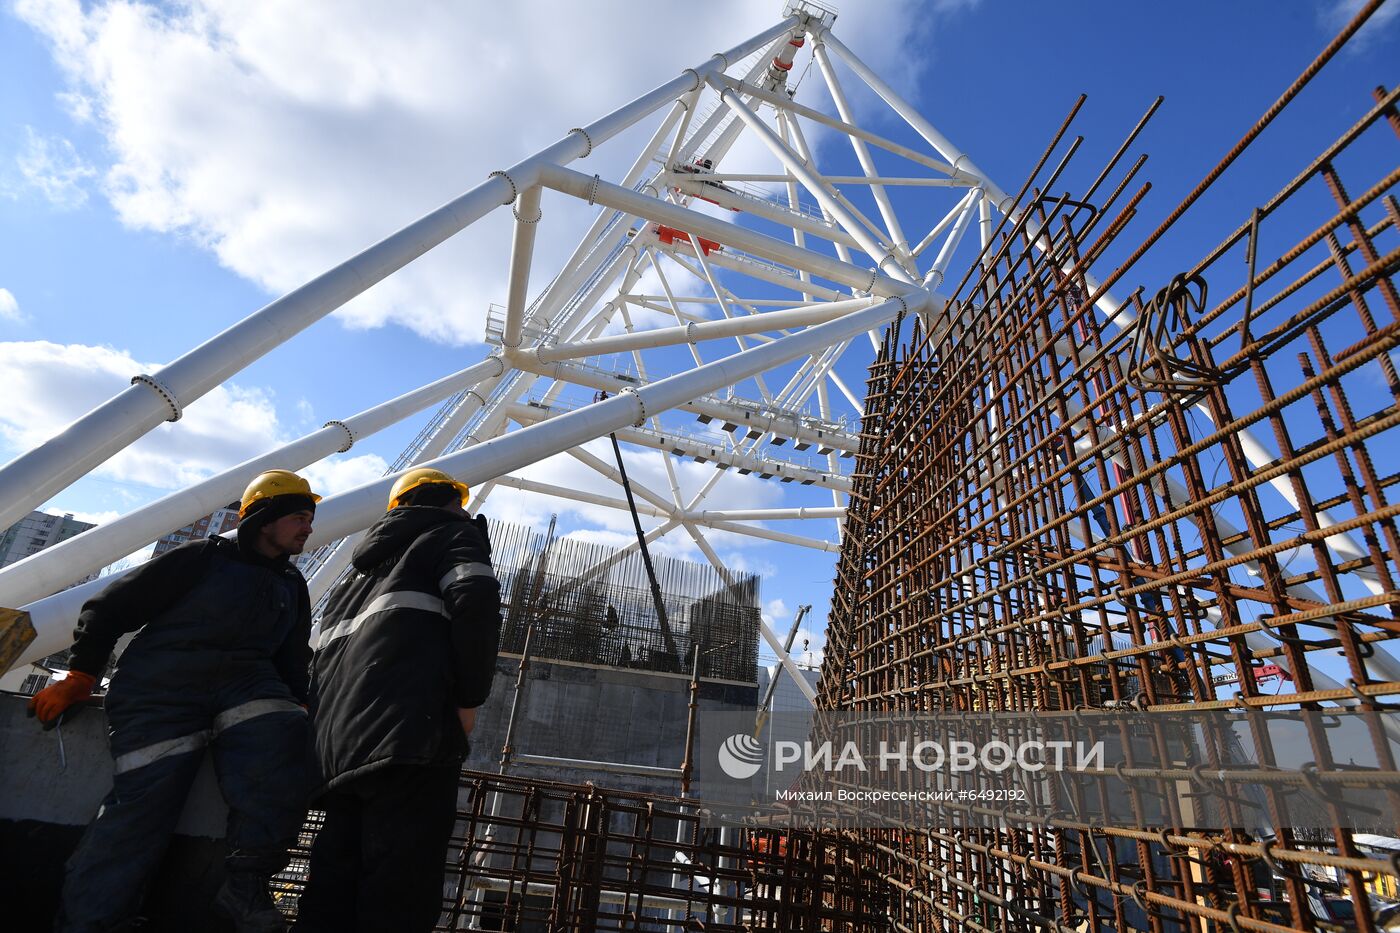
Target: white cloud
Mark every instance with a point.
(1338, 13)
(52, 166)
(96, 518)
(9, 307)
(286, 137)
(337, 473)
(50, 384)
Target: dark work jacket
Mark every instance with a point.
(408, 637)
(211, 620)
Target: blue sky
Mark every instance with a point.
(164, 171)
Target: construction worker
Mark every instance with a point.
(220, 660)
(405, 655)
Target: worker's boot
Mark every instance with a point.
(245, 899)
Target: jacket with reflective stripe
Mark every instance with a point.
(407, 637)
(233, 630)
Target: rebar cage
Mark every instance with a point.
(1179, 502)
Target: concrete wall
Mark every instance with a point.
(584, 711)
(47, 798)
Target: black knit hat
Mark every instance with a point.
(265, 511)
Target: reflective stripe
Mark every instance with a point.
(381, 603)
(243, 712)
(158, 750)
(229, 718)
(462, 571)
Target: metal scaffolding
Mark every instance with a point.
(591, 603)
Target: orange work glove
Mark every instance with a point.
(51, 702)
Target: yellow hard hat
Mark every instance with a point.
(272, 484)
(424, 476)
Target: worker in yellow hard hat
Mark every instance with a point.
(220, 660)
(405, 655)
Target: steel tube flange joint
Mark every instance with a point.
(349, 434)
(586, 138)
(159, 388)
(514, 188)
(889, 257)
(641, 405)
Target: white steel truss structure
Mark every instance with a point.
(793, 271)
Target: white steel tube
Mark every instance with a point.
(582, 263)
(678, 177)
(787, 217)
(653, 300)
(775, 250)
(948, 218)
(681, 319)
(770, 534)
(350, 511)
(719, 148)
(522, 249)
(695, 447)
(55, 567)
(945, 255)
(783, 102)
(32, 478)
(784, 426)
(758, 270)
(824, 408)
(881, 252)
(764, 515)
(799, 238)
(709, 519)
(862, 153)
(959, 159)
(694, 333)
(804, 151)
(689, 102)
(353, 509)
(641, 490)
(578, 495)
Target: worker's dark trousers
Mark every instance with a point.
(379, 860)
(261, 764)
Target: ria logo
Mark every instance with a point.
(741, 756)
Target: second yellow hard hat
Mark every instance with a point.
(424, 476)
